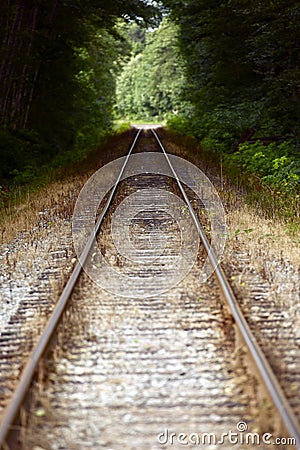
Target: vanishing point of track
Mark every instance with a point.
(262, 366)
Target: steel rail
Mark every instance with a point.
(11, 410)
(271, 383)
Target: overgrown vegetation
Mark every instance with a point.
(220, 71)
(269, 172)
(272, 173)
(243, 66)
(59, 62)
(275, 164)
(150, 85)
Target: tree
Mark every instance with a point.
(242, 64)
(152, 81)
(57, 71)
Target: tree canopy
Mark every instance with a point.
(243, 61)
(152, 81)
(58, 64)
(224, 66)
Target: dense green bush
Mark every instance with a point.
(178, 124)
(274, 164)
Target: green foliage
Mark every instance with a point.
(121, 127)
(151, 82)
(20, 149)
(243, 67)
(178, 123)
(59, 61)
(219, 128)
(273, 164)
(136, 36)
(243, 72)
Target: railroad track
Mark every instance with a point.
(168, 355)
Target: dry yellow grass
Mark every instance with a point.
(263, 238)
(59, 197)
